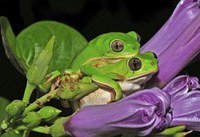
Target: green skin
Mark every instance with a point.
(105, 66)
(107, 74)
(100, 47)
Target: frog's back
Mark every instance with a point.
(100, 47)
(86, 55)
(92, 51)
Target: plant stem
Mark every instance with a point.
(41, 101)
(28, 91)
(26, 133)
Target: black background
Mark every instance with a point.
(90, 18)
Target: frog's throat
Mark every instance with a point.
(115, 59)
(150, 73)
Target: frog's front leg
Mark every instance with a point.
(103, 80)
(52, 76)
(107, 82)
(68, 73)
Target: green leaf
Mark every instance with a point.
(3, 103)
(12, 134)
(23, 50)
(173, 130)
(9, 43)
(32, 40)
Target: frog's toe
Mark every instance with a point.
(51, 77)
(116, 96)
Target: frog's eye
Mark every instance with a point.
(135, 64)
(117, 46)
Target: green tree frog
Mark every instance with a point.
(112, 45)
(128, 71)
(113, 75)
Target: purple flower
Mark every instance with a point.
(141, 113)
(185, 102)
(177, 42)
(150, 110)
(137, 114)
(180, 86)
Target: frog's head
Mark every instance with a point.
(117, 44)
(140, 69)
(142, 65)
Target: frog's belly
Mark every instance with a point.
(98, 97)
(131, 86)
(102, 96)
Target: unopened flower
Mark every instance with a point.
(142, 113)
(185, 102)
(137, 114)
(149, 110)
(177, 42)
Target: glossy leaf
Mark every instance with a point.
(3, 103)
(9, 43)
(32, 40)
(23, 49)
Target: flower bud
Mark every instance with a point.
(15, 107)
(32, 119)
(57, 130)
(39, 69)
(47, 113)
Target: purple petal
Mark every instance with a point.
(184, 14)
(179, 58)
(180, 82)
(177, 42)
(193, 83)
(180, 86)
(177, 84)
(187, 111)
(185, 101)
(138, 114)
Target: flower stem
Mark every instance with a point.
(41, 101)
(28, 91)
(26, 133)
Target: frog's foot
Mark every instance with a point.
(113, 95)
(67, 79)
(55, 84)
(52, 77)
(76, 75)
(116, 95)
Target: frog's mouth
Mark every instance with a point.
(147, 75)
(135, 83)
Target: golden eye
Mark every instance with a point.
(117, 46)
(135, 64)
